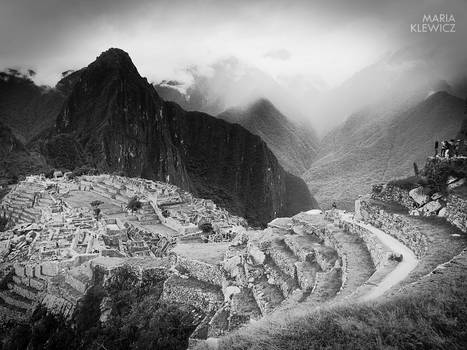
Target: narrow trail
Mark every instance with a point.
(402, 270)
(397, 275)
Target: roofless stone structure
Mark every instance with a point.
(229, 274)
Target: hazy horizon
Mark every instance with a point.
(291, 53)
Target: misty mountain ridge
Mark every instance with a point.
(372, 147)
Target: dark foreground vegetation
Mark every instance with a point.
(137, 319)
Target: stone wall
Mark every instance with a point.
(456, 209)
(58, 305)
(438, 169)
(330, 240)
(396, 225)
(392, 193)
(201, 271)
(379, 252)
(198, 294)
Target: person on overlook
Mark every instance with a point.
(436, 148)
(443, 149)
(334, 205)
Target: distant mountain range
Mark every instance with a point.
(377, 144)
(107, 116)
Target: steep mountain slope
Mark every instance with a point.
(372, 147)
(15, 159)
(26, 108)
(294, 146)
(114, 120)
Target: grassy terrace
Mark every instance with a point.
(433, 315)
(426, 311)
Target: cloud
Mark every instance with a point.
(303, 46)
(281, 54)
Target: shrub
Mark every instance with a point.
(96, 203)
(84, 170)
(3, 222)
(134, 204)
(408, 183)
(206, 227)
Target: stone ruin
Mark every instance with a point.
(50, 254)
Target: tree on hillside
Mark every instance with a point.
(134, 204)
(206, 227)
(13, 72)
(96, 203)
(3, 222)
(67, 73)
(97, 211)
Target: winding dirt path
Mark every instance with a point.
(402, 270)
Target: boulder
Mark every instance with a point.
(256, 253)
(240, 239)
(230, 291)
(414, 212)
(431, 208)
(456, 183)
(231, 265)
(443, 213)
(419, 195)
(281, 223)
(436, 196)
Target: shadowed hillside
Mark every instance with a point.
(15, 159)
(26, 108)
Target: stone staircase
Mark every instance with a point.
(32, 285)
(19, 205)
(24, 293)
(112, 191)
(356, 259)
(148, 215)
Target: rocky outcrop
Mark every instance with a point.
(440, 195)
(392, 193)
(456, 212)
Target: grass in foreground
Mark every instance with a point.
(434, 318)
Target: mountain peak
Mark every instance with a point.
(114, 58)
(262, 103)
(114, 54)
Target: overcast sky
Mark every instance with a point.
(323, 42)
